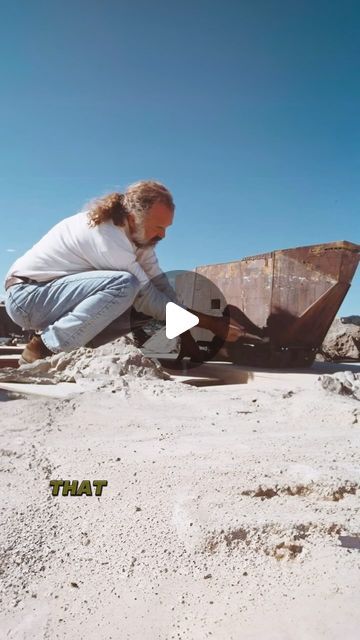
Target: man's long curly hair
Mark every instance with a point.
(137, 199)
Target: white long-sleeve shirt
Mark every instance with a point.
(72, 246)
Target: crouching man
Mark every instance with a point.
(82, 281)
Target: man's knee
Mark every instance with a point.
(133, 284)
(125, 282)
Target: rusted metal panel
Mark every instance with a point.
(293, 293)
(7, 326)
(245, 284)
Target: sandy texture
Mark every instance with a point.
(224, 516)
(112, 365)
(345, 383)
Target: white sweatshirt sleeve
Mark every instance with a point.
(118, 253)
(150, 264)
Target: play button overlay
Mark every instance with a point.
(168, 340)
(178, 320)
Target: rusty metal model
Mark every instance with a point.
(290, 295)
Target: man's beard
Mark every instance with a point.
(139, 240)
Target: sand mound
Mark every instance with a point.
(344, 383)
(105, 366)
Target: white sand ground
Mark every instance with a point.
(222, 517)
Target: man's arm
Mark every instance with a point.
(149, 262)
(220, 326)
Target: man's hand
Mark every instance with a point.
(234, 331)
(225, 327)
(228, 329)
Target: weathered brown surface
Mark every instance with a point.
(7, 326)
(8, 329)
(294, 293)
(9, 361)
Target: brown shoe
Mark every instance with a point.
(34, 350)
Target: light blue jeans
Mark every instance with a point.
(70, 311)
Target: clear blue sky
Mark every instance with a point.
(248, 111)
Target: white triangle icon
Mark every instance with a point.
(178, 320)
